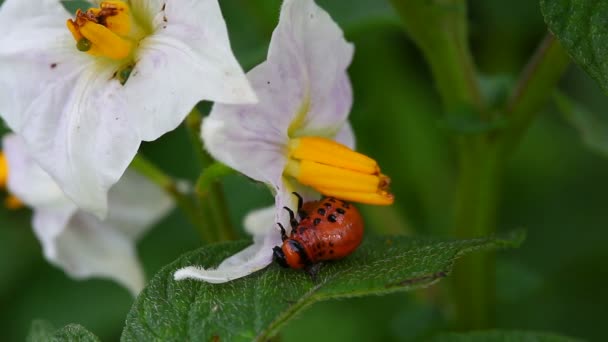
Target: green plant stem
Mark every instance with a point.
(473, 284)
(212, 201)
(482, 159)
(535, 87)
(185, 202)
(439, 29)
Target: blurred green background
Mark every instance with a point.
(554, 187)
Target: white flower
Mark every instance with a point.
(288, 139)
(76, 241)
(144, 65)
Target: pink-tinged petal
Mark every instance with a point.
(302, 90)
(85, 141)
(188, 58)
(310, 41)
(247, 142)
(247, 261)
(346, 136)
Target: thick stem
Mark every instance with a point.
(475, 215)
(212, 200)
(482, 160)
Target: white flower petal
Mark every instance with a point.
(42, 12)
(247, 261)
(37, 52)
(189, 54)
(86, 146)
(135, 205)
(63, 103)
(346, 136)
(300, 85)
(32, 185)
(246, 141)
(87, 247)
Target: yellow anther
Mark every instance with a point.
(380, 198)
(104, 31)
(336, 170)
(326, 151)
(105, 42)
(120, 21)
(13, 203)
(3, 171)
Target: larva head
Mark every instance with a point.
(291, 254)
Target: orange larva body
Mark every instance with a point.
(330, 229)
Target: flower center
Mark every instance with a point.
(11, 202)
(107, 31)
(335, 170)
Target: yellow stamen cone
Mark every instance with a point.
(328, 177)
(326, 151)
(335, 170)
(104, 31)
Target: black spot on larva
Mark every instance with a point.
(345, 205)
(301, 230)
(341, 211)
(327, 205)
(321, 253)
(53, 65)
(331, 251)
(331, 218)
(331, 244)
(332, 200)
(319, 245)
(321, 211)
(316, 221)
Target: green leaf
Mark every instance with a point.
(255, 307)
(581, 28)
(502, 336)
(44, 331)
(593, 130)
